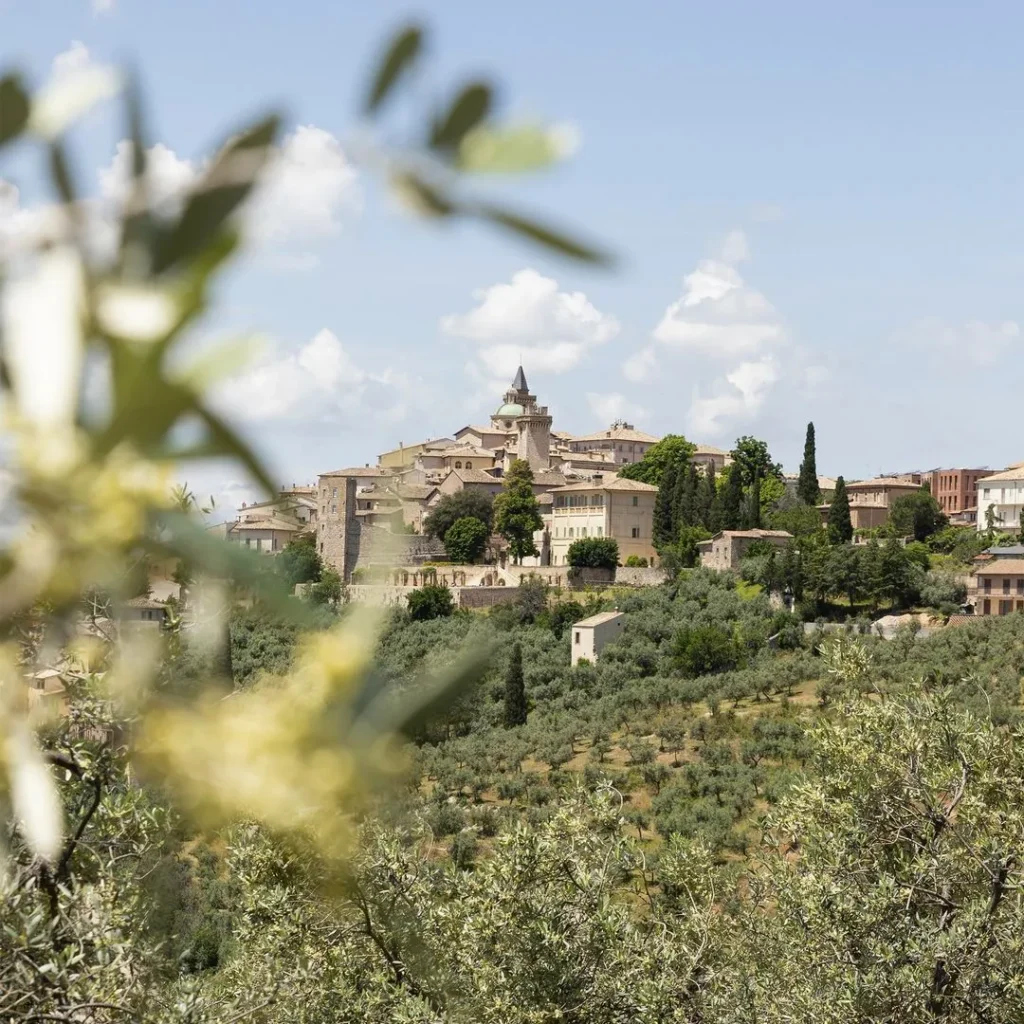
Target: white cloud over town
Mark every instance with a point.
(730, 336)
(320, 382)
(530, 320)
(613, 405)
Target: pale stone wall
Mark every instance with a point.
(626, 576)
(534, 446)
(589, 641)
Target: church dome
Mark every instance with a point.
(510, 409)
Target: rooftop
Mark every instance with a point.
(623, 433)
(1010, 551)
(599, 619)
(708, 449)
(618, 484)
(360, 471)
(754, 533)
(476, 476)
(1001, 567)
(884, 481)
(269, 523)
(1015, 472)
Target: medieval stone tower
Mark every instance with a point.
(338, 528)
(530, 421)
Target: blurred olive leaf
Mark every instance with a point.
(422, 196)
(218, 195)
(513, 150)
(14, 108)
(468, 109)
(398, 59)
(544, 235)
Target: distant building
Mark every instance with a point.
(998, 587)
(707, 455)
(620, 509)
(1004, 494)
(405, 455)
(590, 635)
(625, 443)
(956, 490)
(870, 500)
(727, 549)
(268, 533)
(144, 609)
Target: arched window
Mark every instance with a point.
(469, 464)
(458, 465)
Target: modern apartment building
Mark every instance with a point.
(621, 509)
(957, 489)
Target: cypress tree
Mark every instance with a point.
(664, 519)
(732, 499)
(685, 504)
(840, 528)
(515, 689)
(708, 508)
(752, 507)
(807, 485)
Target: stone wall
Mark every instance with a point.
(380, 547)
(627, 576)
(386, 595)
(483, 597)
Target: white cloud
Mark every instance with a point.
(71, 61)
(719, 319)
(612, 405)
(983, 344)
(740, 396)
(24, 227)
(100, 7)
(169, 176)
(529, 320)
(321, 382)
(309, 187)
(718, 314)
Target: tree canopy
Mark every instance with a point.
(517, 511)
(465, 540)
(840, 526)
(807, 488)
(594, 553)
(452, 507)
(671, 450)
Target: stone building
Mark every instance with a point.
(590, 635)
(621, 509)
(998, 587)
(1003, 493)
(726, 549)
(625, 443)
(870, 500)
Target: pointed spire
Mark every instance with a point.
(519, 384)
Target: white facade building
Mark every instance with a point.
(1004, 492)
(590, 635)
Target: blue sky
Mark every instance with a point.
(817, 210)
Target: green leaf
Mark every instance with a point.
(410, 711)
(545, 236)
(468, 109)
(514, 150)
(224, 187)
(232, 445)
(422, 196)
(399, 59)
(187, 537)
(137, 224)
(61, 173)
(14, 108)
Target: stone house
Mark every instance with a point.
(727, 549)
(620, 509)
(406, 455)
(267, 534)
(870, 500)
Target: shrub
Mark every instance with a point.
(462, 848)
(702, 650)
(594, 553)
(430, 602)
(328, 589)
(466, 539)
(445, 820)
(636, 562)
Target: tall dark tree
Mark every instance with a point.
(807, 487)
(752, 505)
(840, 527)
(517, 511)
(664, 511)
(515, 689)
(709, 503)
(732, 499)
(685, 506)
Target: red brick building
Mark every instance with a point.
(957, 489)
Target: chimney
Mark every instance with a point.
(598, 478)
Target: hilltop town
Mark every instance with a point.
(372, 523)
